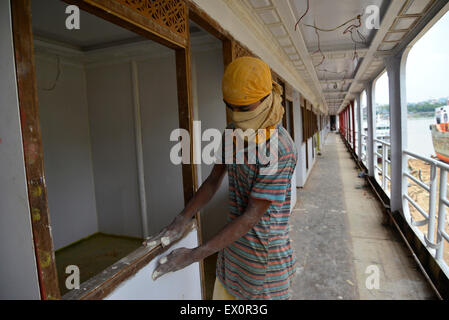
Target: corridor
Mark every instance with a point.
(341, 239)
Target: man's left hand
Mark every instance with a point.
(178, 259)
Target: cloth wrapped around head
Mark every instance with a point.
(246, 81)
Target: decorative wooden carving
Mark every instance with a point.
(168, 13)
(288, 91)
(240, 51)
(167, 20)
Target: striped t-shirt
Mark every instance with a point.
(260, 265)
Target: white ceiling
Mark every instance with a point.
(48, 18)
(334, 82)
(347, 62)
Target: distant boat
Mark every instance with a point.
(382, 132)
(440, 133)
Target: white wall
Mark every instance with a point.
(67, 159)
(208, 72)
(18, 276)
(89, 144)
(111, 118)
(159, 113)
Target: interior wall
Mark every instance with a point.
(111, 116)
(63, 114)
(159, 115)
(211, 111)
(18, 276)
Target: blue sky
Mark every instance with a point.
(427, 70)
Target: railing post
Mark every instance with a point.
(384, 167)
(348, 117)
(359, 125)
(395, 67)
(432, 203)
(371, 127)
(441, 214)
(353, 126)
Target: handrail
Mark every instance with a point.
(433, 224)
(437, 163)
(384, 156)
(434, 219)
(383, 142)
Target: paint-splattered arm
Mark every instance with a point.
(181, 258)
(205, 193)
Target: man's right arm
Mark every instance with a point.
(204, 194)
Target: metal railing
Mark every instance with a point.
(386, 162)
(435, 246)
(363, 152)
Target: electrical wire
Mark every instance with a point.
(319, 49)
(338, 27)
(354, 27)
(58, 73)
(305, 13)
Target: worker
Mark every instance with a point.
(255, 258)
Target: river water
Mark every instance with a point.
(419, 136)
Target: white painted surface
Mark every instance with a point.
(182, 285)
(209, 71)
(18, 276)
(159, 115)
(248, 33)
(67, 159)
(111, 117)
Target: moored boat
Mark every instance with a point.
(440, 133)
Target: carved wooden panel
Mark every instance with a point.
(240, 51)
(288, 91)
(165, 19)
(168, 13)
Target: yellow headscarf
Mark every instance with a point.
(246, 81)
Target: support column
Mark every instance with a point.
(346, 124)
(353, 126)
(371, 127)
(359, 125)
(348, 119)
(398, 127)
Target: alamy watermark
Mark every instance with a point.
(73, 280)
(234, 146)
(372, 281)
(372, 20)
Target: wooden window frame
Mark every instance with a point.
(100, 285)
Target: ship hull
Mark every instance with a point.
(440, 143)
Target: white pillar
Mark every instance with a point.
(371, 127)
(359, 127)
(398, 127)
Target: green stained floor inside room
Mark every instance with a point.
(92, 255)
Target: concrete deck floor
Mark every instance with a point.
(338, 233)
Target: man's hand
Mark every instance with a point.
(169, 234)
(176, 229)
(237, 228)
(178, 259)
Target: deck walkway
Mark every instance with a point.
(338, 232)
